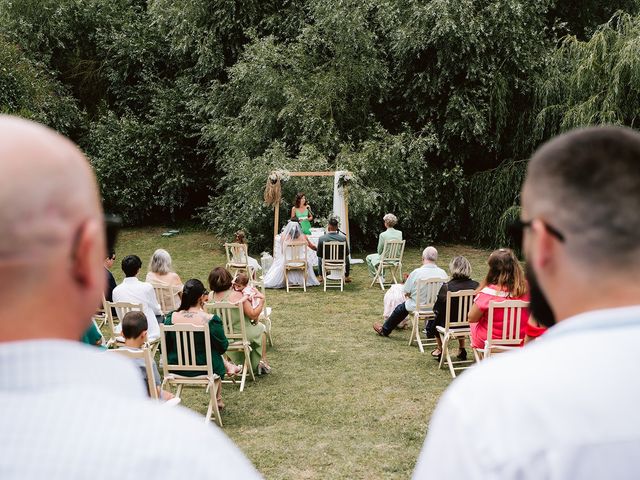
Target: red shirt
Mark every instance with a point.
(493, 293)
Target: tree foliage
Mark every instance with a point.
(185, 107)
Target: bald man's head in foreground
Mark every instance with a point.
(52, 243)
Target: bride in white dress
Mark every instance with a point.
(274, 278)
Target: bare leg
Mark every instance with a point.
(219, 393)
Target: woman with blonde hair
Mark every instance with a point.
(160, 272)
(504, 281)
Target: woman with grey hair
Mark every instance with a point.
(390, 221)
(161, 273)
(460, 270)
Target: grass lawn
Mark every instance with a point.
(341, 402)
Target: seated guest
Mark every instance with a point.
(240, 238)
(92, 335)
(161, 273)
(220, 282)
(390, 233)
(191, 311)
(134, 330)
(533, 330)
(505, 281)
(132, 290)
(333, 235)
(429, 269)
(111, 281)
(460, 270)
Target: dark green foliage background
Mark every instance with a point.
(185, 107)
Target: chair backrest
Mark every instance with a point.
(334, 253)
(392, 251)
(511, 324)
(237, 254)
(226, 312)
(166, 296)
(145, 355)
(458, 305)
(295, 253)
(121, 308)
(427, 293)
(185, 342)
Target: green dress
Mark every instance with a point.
(254, 336)
(219, 344)
(304, 224)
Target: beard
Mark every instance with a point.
(539, 306)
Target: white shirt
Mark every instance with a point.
(133, 290)
(430, 270)
(50, 395)
(564, 407)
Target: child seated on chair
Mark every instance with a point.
(134, 330)
(241, 284)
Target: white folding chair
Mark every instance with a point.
(426, 296)
(237, 258)
(456, 326)
(510, 337)
(166, 296)
(334, 264)
(184, 335)
(122, 308)
(237, 336)
(113, 321)
(390, 263)
(295, 258)
(145, 355)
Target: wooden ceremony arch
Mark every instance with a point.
(276, 207)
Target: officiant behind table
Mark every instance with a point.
(302, 211)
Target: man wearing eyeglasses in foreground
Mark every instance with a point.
(565, 406)
(52, 250)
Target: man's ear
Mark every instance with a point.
(88, 255)
(543, 244)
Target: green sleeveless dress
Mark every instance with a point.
(254, 336)
(305, 224)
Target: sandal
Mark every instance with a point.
(436, 355)
(263, 367)
(378, 328)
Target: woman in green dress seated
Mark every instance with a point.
(302, 212)
(220, 282)
(191, 311)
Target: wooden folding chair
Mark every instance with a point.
(334, 264)
(122, 308)
(145, 355)
(265, 315)
(185, 335)
(237, 258)
(237, 336)
(391, 262)
(166, 294)
(510, 336)
(456, 326)
(295, 258)
(426, 295)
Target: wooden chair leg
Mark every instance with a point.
(417, 333)
(445, 348)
